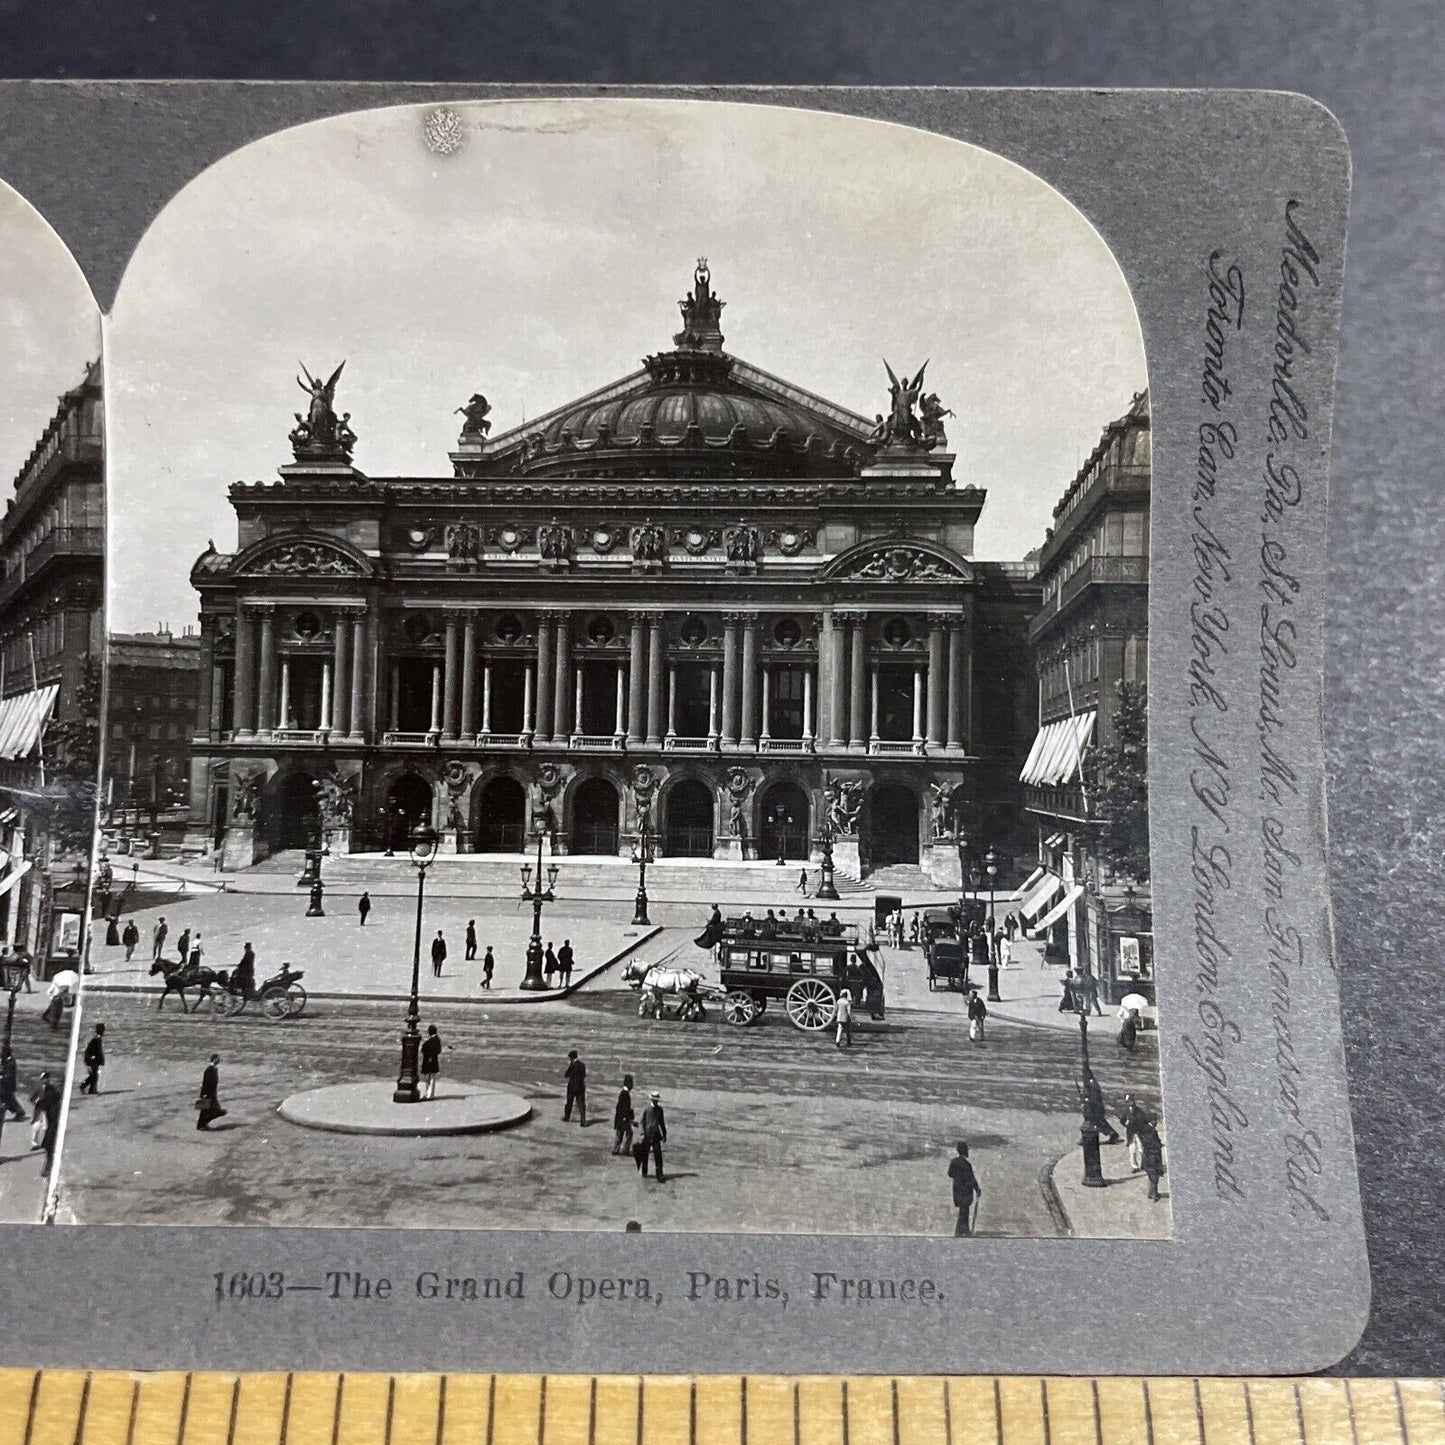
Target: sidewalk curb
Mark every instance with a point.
(1053, 1200)
(481, 995)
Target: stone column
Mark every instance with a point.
(216, 677)
(542, 730)
(654, 678)
(712, 708)
(326, 692)
(837, 681)
(450, 679)
(561, 687)
(637, 678)
(955, 685)
(529, 694)
(619, 724)
(764, 732)
(359, 669)
(873, 694)
(671, 700)
(285, 708)
(749, 730)
(338, 720)
(730, 681)
(807, 706)
(266, 689)
(937, 679)
(469, 677)
(487, 697)
(436, 699)
(917, 706)
(858, 682)
(577, 705)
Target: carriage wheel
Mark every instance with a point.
(228, 1004)
(295, 1000)
(274, 1004)
(739, 1008)
(812, 1005)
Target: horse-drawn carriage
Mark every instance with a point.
(280, 996)
(804, 966)
(945, 949)
(668, 992)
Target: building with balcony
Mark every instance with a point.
(52, 539)
(1090, 634)
(700, 597)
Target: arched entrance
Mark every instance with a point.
(687, 832)
(408, 802)
(783, 819)
(595, 809)
(501, 816)
(892, 825)
(296, 822)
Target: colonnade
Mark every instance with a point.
(263, 674)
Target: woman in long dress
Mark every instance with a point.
(208, 1104)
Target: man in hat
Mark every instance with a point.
(94, 1059)
(654, 1135)
(623, 1118)
(208, 1102)
(966, 1189)
(576, 1077)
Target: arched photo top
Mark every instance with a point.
(534, 251)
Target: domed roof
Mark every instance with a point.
(692, 411)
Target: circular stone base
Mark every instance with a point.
(369, 1109)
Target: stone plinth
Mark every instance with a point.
(368, 1108)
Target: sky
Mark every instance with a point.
(49, 329)
(545, 259)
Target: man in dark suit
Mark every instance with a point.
(209, 1102)
(47, 1107)
(654, 1134)
(576, 1077)
(438, 954)
(966, 1189)
(623, 1118)
(94, 1059)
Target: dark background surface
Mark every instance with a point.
(1379, 68)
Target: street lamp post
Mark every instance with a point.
(827, 888)
(535, 981)
(642, 855)
(1089, 1128)
(14, 969)
(408, 1090)
(990, 866)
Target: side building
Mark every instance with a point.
(150, 720)
(52, 545)
(700, 604)
(1090, 646)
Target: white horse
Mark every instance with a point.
(658, 982)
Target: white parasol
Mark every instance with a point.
(67, 981)
(1135, 1001)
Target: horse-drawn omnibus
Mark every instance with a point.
(803, 966)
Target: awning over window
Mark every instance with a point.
(14, 876)
(1060, 908)
(1042, 892)
(23, 719)
(1028, 883)
(1057, 751)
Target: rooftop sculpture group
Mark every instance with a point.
(905, 428)
(321, 433)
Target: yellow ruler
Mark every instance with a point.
(76, 1407)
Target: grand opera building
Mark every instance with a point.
(700, 601)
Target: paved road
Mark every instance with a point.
(771, 1130)
(37, 1047)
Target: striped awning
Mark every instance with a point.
(22, 720)
(1028, 883)
(14, 876)
(1060, 908)
(1040, 895)
(1058, 750)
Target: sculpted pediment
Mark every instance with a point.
(302, 556)
(899, 560)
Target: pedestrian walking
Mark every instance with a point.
(471, 939)
(623, 1118)
(549, 963)
(966, 1190)
(977, 1013)
(844, 1037)
(112, 931)
(198, 952)
(1066, 1000)
(489, 964)
(1129, 1118)
(803, 882)
(1011, 925)
(1128, 1029)
(243, 978)
(1151, 1152)
(654, 1136)
(915, 929)
(363, 907)
(9, 1078)
(208, 1101)
(1086, 989)
(438, 954)
(58, 994)
(40, 1119)
(130, 937)
(94, 1060)
(1005, 951)
(565, 960)
(158, 937)
(47, 1108)
(1095, 1109)
(431, 1062)
(183, 946)
(576, 1077)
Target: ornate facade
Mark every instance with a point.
(700, 596)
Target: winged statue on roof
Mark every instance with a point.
(902, 424)
(320, 429)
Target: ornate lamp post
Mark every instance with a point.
(990, 866)
(534, 981)
(14, 970)
(642, 854)
(314, 908)
(1088, 1129)
(408, 1090)
(827, 888)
